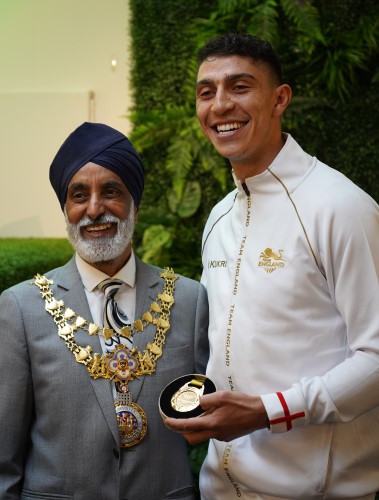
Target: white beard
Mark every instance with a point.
(101, 249)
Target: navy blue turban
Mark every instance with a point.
(103, 145)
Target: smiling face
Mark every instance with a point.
(239, 106)
(100, 216)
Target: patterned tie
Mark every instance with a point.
(114, 317)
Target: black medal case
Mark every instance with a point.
(180, 398)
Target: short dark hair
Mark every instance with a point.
(245, 45)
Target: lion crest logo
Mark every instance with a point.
(270, 260)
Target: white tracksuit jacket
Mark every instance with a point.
(292, 277)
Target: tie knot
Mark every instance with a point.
(110, 287)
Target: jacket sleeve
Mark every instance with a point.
(201, 331)
(349, 251)
(16, 395)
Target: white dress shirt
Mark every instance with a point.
(125, 297)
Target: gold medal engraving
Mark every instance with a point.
(187, 397)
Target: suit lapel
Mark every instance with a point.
(148, 287)
(71, 291)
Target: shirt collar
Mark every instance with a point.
(91, 276)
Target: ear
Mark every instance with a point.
(283, 98)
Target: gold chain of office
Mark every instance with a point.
(68, 322)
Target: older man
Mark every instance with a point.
(87, 348)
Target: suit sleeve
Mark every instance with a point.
(201, 331)
(16, 399)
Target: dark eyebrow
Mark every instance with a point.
(203, 82)
(107, 184)
(77, 185)
(237, 76)
(113, 184)
(228, 78)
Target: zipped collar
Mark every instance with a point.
(291, 166)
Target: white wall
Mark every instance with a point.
(55, 73)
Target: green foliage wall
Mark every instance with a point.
(162, 50)
(342, 76)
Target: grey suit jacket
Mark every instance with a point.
(58, 429)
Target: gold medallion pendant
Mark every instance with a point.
(131, 419)
(132, 424)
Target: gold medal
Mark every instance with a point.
(187, 397)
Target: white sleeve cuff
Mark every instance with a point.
(285, 410)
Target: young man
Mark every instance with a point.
(291, 264)
(79, 410)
